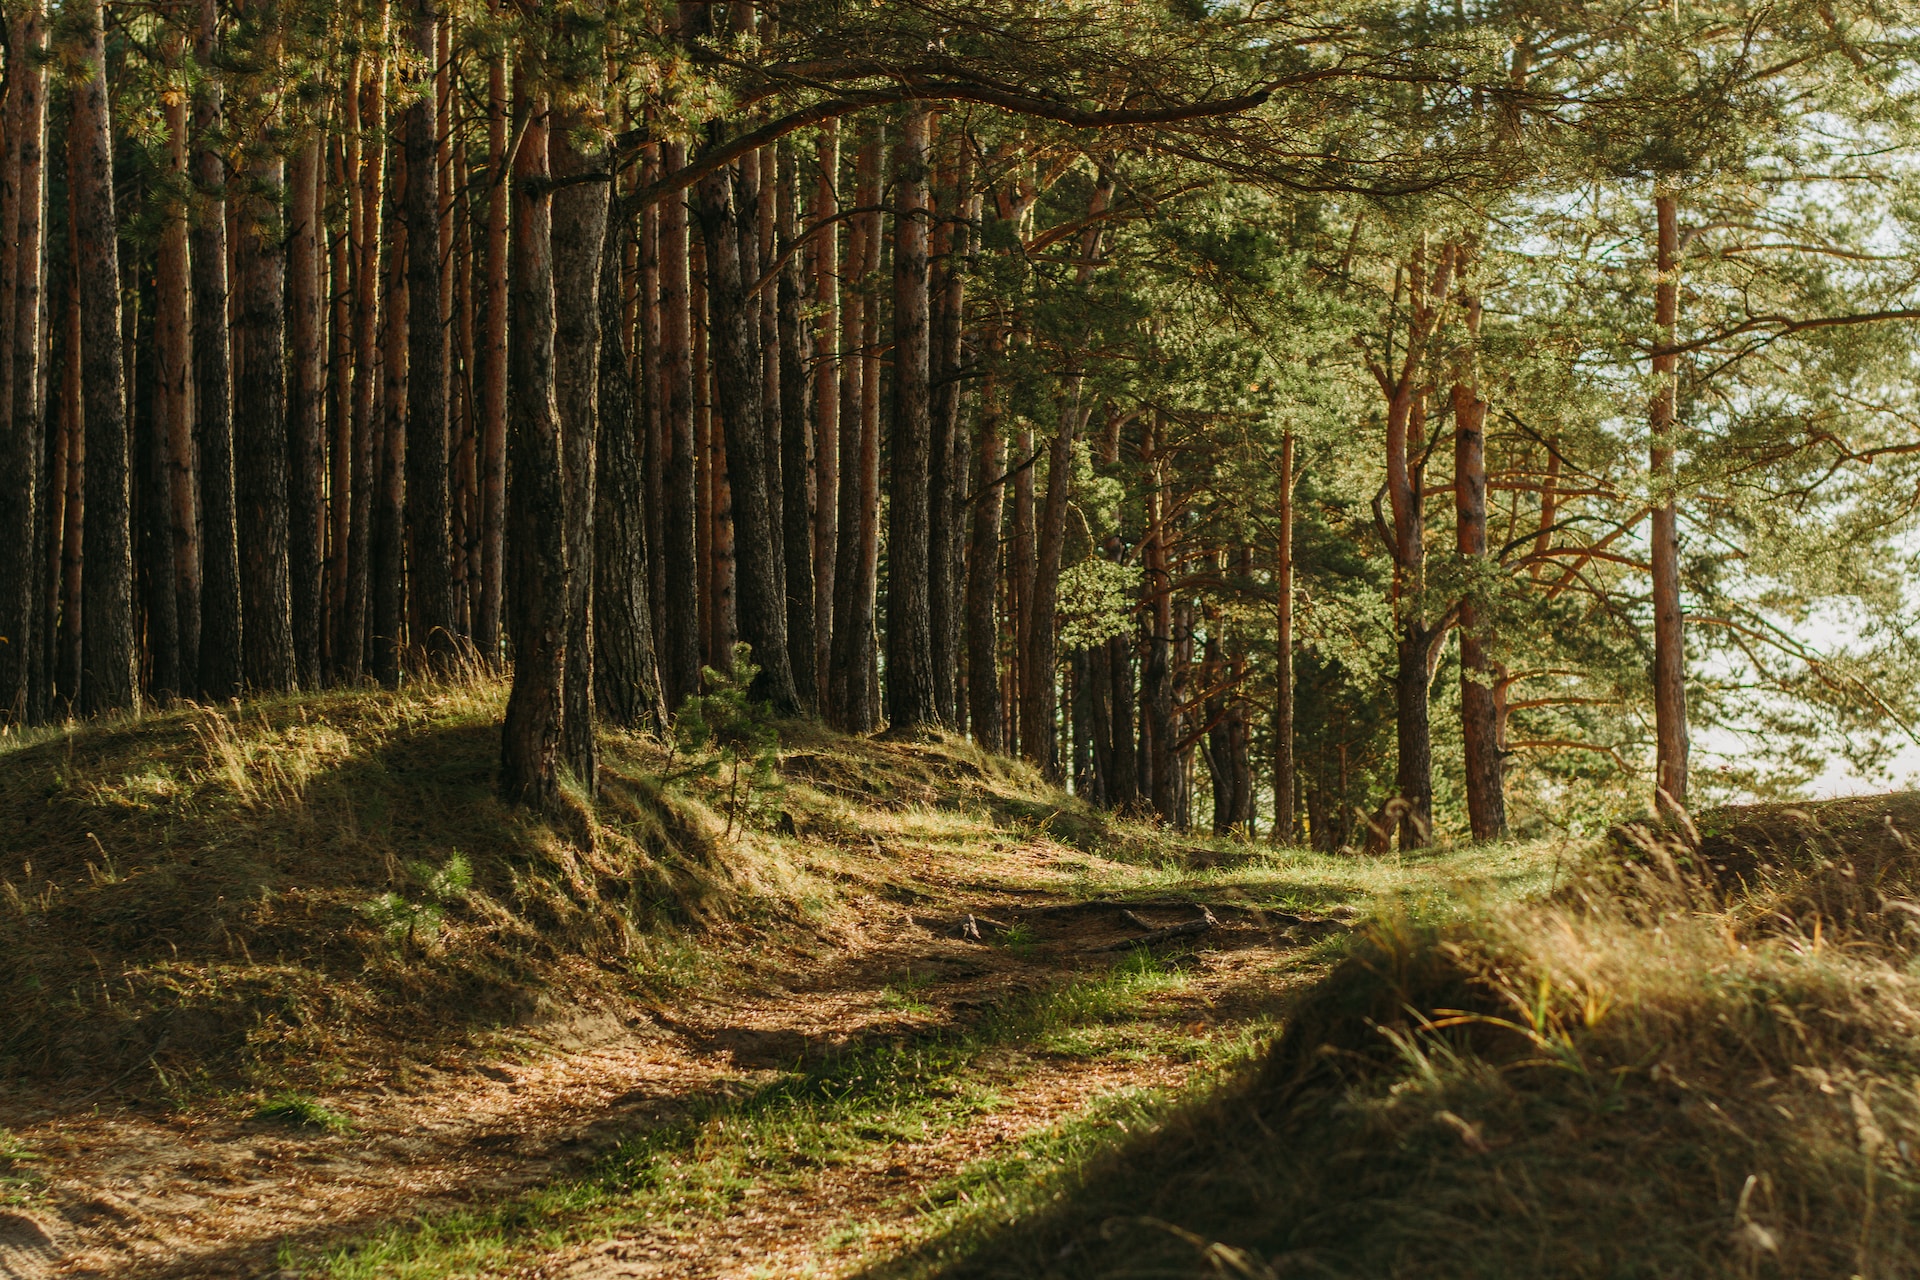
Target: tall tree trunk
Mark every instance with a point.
(1669, 634)
(260, 431)
(109, 659)
(492, 425)
(157, 615)
(306, 445)
(220, 668)
(911, 704)
(851, 690)
(536, 532)
(655, 448)
(983, 563)
(948, 454)
(759, 173)
(1283, 731)
(1479, 716)
(579, 232)
(173, 401)
(826, 403)
(1157, 717)
(795, 332)
(680, 660)
(626, 677)
(429, 555)
(1020, 562)
(734, 326)
(365, 103)
(73, 427)
(1123, 778)
(23, 510)
(387, 581)
(1038, 698)
(340, 254)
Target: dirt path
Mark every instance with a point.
(206, 1194)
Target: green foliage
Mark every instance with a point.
(728, 735)
(403, 920)
(303, 1112)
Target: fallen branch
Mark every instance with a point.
(1157, 936)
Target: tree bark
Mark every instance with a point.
(536, 533)
(851, 689)
(306, 445)
(23, 503)
(109, 659)
(795, 332)
(1157, 717)
(911, 704)
(1479, 716)
(173, 401)
(364, 107)
(655, 448)
(947, 454)
(492, 357)
(734, 325)
(826, 404)
(1283, 731)
(1020, 563)
(387, 580)
(680, 664)
(579, 232)
(1669, 622)
(429, 555)
(157, 615)
(73, 484)
(626, 676)
(983, 563)
(1038, 702)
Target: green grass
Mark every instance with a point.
(778, 1135)
(303, 1112)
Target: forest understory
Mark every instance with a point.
(901, 1010)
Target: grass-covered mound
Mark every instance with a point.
(1660, 1070)
(272, 891)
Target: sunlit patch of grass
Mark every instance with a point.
(303, 1112)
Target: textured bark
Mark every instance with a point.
(911, 703)
(734, 324)
(625, 674)
(759, 219)
(851, 690)
(655, 449)
(947, 453)
(340, 381)
(220, 669)
(109, 659)
(172, 399)
(983, 566)
(795, 333)
(1020, 553)
(1283, 731)
(365, 189)
(536, 533)
(21, 444)
(1038, 702)
(579, 230)
(73, 429)
(464, 507)
(491, 426)
(1156, 677)
(157, 615)
(825, 246)
(1669, 623)
(429, 553)
(387, 572)
(1123, 782)
(680, 658)
(1479, 716)
(306, 394)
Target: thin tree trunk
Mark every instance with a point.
(23, 504)
(851, 691)
(1669, 623)
(947, 456)
(157, 615)
(340, 253)
(220, 667)
(1157, 718)
(1020, 561)
(1479, 717)
(579, 233)
(306, 445)
(429, 555)
(74, 507)
(911, 703)
(795, 333)
(109, 659)
(536, 532)
(172, 401)
(387, 582)
(734, 324)
(1038, 705)
(826, 404)
(626, 677)
(680, 662)
(492, 425)
(983, 562)
(1283, 731)
(366, 111)
(655, 448)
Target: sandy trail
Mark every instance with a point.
(203, 1193)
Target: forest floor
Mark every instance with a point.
(289, 993)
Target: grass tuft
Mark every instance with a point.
(303, 1112)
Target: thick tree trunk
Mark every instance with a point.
(626, 676)
(492, 360)
(536, 533)
(851, 689)
(734, 326)
(680, 659)
(1669, 634)
(826, 404)
(759, 216)
(983, 565)
(23, 502)
(220, 667)
(109, 659)
(1283, 763)
(429, 555)
(911, 704)
(1479, 716)
(579, 232)
(306, 446)
(795, 332)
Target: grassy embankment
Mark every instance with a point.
(1531, 1061)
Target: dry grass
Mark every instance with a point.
(1701, 1060)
